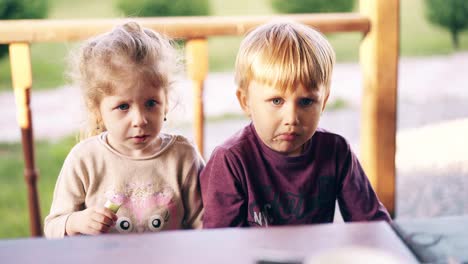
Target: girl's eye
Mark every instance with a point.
(151, 103)
(305, 102)
(123, 107)
(277, 101)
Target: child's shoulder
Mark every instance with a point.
(179, 143)
(239, 140)
(328, 138)
(86, 149)
(179, 140)
(86, 145)
(242, 145)
(329, 135)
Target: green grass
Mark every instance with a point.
(67, 9)
(49, 59)
(13, 195)
(338, 104)
(47, 66)
(418, 37)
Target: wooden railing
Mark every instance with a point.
(377, 20)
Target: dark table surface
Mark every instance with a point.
(234, 245)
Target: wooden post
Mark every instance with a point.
(379, 60)
(197, 69)
(20, 59)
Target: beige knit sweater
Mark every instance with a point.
(158, 192)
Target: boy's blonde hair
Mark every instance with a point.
(284, 55)
(127, 54)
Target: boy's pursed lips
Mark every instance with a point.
(288, 136)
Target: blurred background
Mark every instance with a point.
(432, 159)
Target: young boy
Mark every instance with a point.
(281, 169)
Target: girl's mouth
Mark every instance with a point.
(140, 139)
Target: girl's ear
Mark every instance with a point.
(96, 112)
(242, 98)
(166, 107)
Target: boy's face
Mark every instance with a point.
(284, 121)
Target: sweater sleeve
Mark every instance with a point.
(356, 197)
(191, 195)
(223, 197)
(69, 196)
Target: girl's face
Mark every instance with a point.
(283, 121)
(133, 116)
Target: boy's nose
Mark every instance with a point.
(291, 116)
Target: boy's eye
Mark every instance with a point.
(151, 103)
(306, 101)
(277, 101)
(123, 107)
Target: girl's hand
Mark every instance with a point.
(91, 221)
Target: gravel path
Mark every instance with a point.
(432, 144)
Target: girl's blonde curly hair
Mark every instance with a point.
(128, 52)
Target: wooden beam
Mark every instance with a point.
(197, 70)
(54, 30)
(379, 59)
(20, 59)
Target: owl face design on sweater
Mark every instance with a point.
(144, 208)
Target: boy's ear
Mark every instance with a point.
(242, 98)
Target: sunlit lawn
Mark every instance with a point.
(48, 59)
(13, 197)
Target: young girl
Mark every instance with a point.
(126, 176)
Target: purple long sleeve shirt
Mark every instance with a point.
(245, 183)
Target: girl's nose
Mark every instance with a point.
(138, 118)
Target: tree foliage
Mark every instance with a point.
(450, 14)
(148, 8)
(21, 9)
(312, 6)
